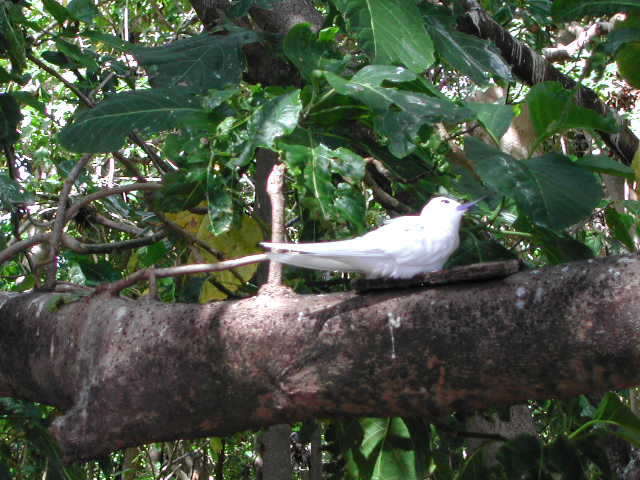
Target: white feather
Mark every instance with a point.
(402, 248)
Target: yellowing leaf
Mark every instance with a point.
(187, 220)
(237, 242)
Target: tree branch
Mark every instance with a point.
(549, 333)
(533, 68)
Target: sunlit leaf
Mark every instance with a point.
(104, 128)
(275, 118)
(554, 110)
(402, 124)
(471, 55)
(391, 32)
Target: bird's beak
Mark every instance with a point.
(468, 205)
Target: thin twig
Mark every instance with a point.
(75, 208)
(22, 245)
(60, 221)
(80, 247)
(140, 275)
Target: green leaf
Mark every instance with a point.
(567, 10)
(414, 110)
(28, 98)
(310, 52)
(181, 190)
(201, 62)
(58, 11)
(520, 457)
(316, 165)
(474, 250)
(474, 467)
(11, 194)
(560, 248)
(627, 60)
(98, 272)
(494, 117)
(563, 457)
(273, 119)
(82, 58)
(620, 225)
(104, 128)
(83, 10)
(471, 55)
(605, 164)
(219, 204)
(389, 446)
(13, 41)
(550, 189)
(553, 110)
(624, 32)
(10, 118)
(390, 32)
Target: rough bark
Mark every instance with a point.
(128, 372)
(532, 68)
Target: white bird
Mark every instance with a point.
(402, 248)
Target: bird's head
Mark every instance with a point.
(446, 208)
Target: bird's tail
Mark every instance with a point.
(315, 262)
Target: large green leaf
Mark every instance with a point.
(57, 10)
(494, 117)
(605, 164)
(402, 124)
(275, 118)
(550, 189)
(104, 128)
(315, 165)
(390, 32)
(389, 446)
(201, 62)
(309, 51)
(567, 10)
(554, 110)
(471, 55)
(83, 10)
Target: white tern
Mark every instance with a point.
(402, 248)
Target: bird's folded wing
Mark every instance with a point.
(344, 248)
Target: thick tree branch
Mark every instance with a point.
(119, 370)
(532, 68)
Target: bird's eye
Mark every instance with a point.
(445, 201)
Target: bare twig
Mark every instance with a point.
(123, 227)
(22, 245)
(75, 208)
(383, 197)
(80, 247)
(60, 221)
(141, 275)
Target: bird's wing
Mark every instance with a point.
(354, 247)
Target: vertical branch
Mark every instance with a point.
(58, 225)
(275, 185)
